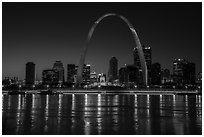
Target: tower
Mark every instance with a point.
(30, 73)
(148, 58)
(113, 69)
(71, 73)
(58, 66)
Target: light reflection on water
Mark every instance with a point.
(101, 114)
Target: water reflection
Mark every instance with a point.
(101, 114)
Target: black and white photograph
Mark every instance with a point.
(101, 68)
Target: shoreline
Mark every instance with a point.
(78, 91)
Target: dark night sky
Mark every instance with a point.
(46, 32)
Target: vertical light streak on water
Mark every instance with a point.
(9, 102)
(198, 107)
(186, 104)
(73, 103)
(73, 111)
(115, 111)
(46, 113)
(33, 110)
(87, 122)
(59, 111)
(86, 105)
(174, 105)
(135, 113)
(161, 105)
(99, 115)
(18, 117)
(148, 106)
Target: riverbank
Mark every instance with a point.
(57, 91)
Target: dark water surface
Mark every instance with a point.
(101, 114)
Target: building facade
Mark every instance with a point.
(155, 74)
(113, 69)
(148, 58)
(30, 73)
(58, 67)
(50, 77)
(86, 74)
(71, 73)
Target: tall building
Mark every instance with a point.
(71, 73)
(58, 66)
(113, 69)
(86, 74)
(165, 76)
(148, 58)
(178, 66)
(128, 75)
(30, 73)
(102, 79)
(183, 72)
(156, 74)
(93, 77)
(50, 77)
(189, 74)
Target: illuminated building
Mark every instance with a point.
(128, 75)
(93, 77)
(50, 77)
(30, 73)
(71, 73)
(102, 79)
(156, 74)
(165, 76)
(86, 74)
(58, 66)
(113, 69)
(148, 58)
(183, 72)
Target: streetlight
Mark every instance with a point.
(99, 86)
(47, 87)
(33, 87)
(160, 87)
(174, 87)
(19, 87)
(73, 87)
(135, 86)
(186, 87)
(148, 88)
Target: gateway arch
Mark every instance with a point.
(137, 42)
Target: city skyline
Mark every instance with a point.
(54, 32)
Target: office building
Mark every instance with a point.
(71, 73)
(155, 74)
(50, 77)
(189, 74)
(148, 58)
(86, 74)
(30, 73)
(113, 69)
(58, 66)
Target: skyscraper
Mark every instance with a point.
(71, 73)
(113, 69)
(165, 76)
(189, 74)
(128, 75)
(148, 58)
(86, 74)
(30, 73)
(178, 67)
(58, 66)
(156, 74)
(50, 77)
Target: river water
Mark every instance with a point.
(101, 114)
